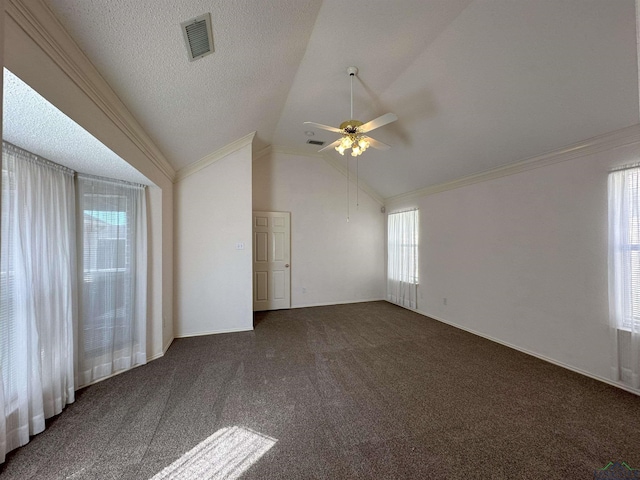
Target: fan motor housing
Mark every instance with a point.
(350, 126)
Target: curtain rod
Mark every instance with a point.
(404, 211)
(110, 180)
(625, 167)
(30, 156)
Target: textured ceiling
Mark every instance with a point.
(32, 123)
(475, 84)
(191, 109)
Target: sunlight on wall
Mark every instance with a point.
(228, 453)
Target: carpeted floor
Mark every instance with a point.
(365, 390)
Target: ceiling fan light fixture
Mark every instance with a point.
(354, 133)
(354, 141)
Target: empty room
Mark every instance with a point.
(320, 239)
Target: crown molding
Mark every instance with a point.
(618, 138)
(204, 162)
(335, 163)
(39, 22)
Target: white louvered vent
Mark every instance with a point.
(198, 36)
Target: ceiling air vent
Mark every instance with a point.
(315, 142)
(198, 36)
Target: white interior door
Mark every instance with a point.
(271, 260)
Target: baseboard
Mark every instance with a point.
(327, 304)
(119, 372)
(214, 332)
(529, 352)
(161, 354)
(156, 356)
(166, 347)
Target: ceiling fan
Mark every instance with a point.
(354, 131)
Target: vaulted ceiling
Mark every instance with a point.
(476, 84)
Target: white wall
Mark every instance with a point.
(29, 54)
(213, 286)
(336, 261)
(523, 258)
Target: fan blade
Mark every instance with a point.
(325, 127)
(331, 145)
(377, 144)
(378, 122)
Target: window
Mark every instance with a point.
(104, 250)
(402, 258)
(48, 305)
(8, 325)
(624, 274)
(112, 221)
(624, 247)
(106, 284)
(37, 281)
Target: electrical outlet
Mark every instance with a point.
(304, 289)
(240, 246)
(444, 301)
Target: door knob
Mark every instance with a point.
(286, 265)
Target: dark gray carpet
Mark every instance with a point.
(352, 391)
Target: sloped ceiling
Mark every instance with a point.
(475, 84)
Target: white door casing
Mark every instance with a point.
(271, 260)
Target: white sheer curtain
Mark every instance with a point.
(37, 294)
(624, 274)
(112, 218)
(402, 258)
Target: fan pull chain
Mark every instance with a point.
(357, 185)
(347, 189)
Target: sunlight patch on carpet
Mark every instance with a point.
(228, 453)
